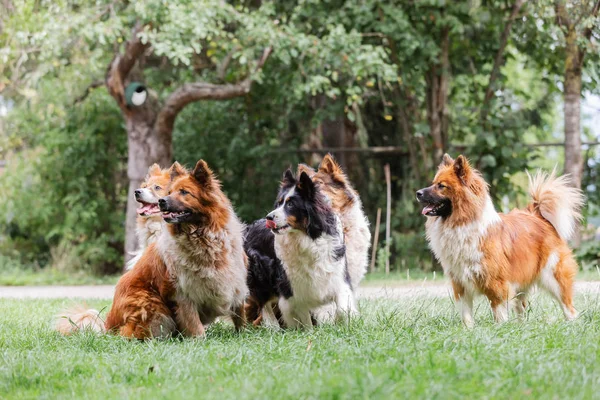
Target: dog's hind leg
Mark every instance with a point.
(238, 316)
(520, 304)
(557, 278)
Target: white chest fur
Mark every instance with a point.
(459, 248)
(209, 270)
(314, 271)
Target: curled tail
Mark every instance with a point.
(136, 257)
(557, 201)
(79, 318)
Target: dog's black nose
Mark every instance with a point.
(269, 217)
(162, 203)
(419, 194)
(138, 192)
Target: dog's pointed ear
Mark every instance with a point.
(288, 178)
(202, 173)
(310, 171)
(176, 171)
(462, 168)
(154, 170)
(305, 185)
(329, 165)
(447, 160)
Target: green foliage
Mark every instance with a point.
(64, 198)
(372, 66)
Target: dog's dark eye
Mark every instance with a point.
(183, 192)
(288, 204)
(157, 187)
(440, 186)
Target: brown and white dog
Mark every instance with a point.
(143, 305)
(501, 255)
(149, 221)
(202, 248)
(193, 273)
(345, 201)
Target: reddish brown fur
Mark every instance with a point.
(210, 232)
(206, 197)
(334, 183)
(143, 300)
(515, 250)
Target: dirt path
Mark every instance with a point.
(440, 289)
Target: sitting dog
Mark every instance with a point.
(202, 247)
(345, 201)
(193, 273)
(309, 241)
(149, 219)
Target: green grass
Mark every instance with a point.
(50, 276)
(408, 348)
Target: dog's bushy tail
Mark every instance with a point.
(79, 318)
(136, 257)
(557, 201)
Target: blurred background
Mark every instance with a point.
(93, 92)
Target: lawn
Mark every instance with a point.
(410, 348)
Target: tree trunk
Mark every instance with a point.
(572, 112)
(437, 97)
(146, 146)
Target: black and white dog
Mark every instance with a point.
(309, 244)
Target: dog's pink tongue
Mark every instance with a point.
(146, 208)
(426, 209)
(271, 224)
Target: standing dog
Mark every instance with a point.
(149, 219)
(501, 255)
(202, 248)
(309, 241)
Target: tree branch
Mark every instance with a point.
(121, 65)
(191, 92)
(587, 33)
(88, 90)
(223, 65)
(489, 92)
(562, 17)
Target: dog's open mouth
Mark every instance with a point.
(277, 229)
(174, 216)
(433, 210)
(147, 209)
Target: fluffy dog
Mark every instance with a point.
(202, 248)
(193, 273)
(143, 305)
(501, 255)
(267, 280)
(345, 201)
(149, 220)
(309, 241)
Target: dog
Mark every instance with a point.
(193, 273)
(143, 305)
(202, 247)
(267, 280)
(309, 242)
(345, 201)
(149, 221)
(501, 256)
